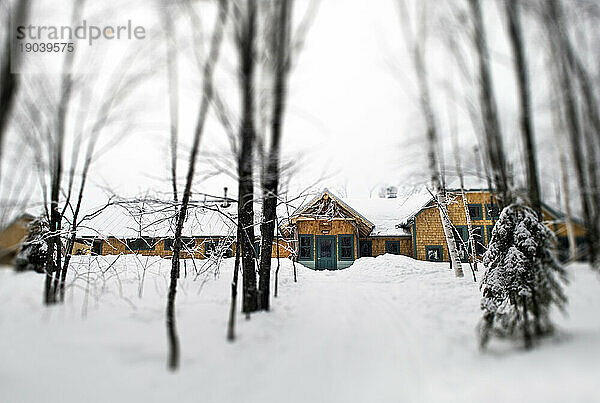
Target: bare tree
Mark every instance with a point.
(9, 82)
(56, 172)
(246, 37)
(489, 111)
(207, 97)
(512, 9)
(461, 181)
(559, 45)
(234, 289)
(281, 43)
(416, 45)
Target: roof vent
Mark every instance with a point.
(226, 202)
(389, 192)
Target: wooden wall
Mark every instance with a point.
(329, 227)
(378, 245)
(429, 230)
(11, 238)
(428, 225)
(116, 246)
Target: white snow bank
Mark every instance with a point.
(387, 329)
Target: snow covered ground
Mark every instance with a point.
(388, 329)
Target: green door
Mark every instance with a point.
(326, 252)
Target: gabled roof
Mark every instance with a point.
(365, 226)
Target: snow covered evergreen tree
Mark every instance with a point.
(522, 279)
(34, 252)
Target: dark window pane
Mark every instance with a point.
(306, 247)
(141, 244)
(392, 247)
(475, 211)
(434, 253)
(187, 242)
(209, 247)
(366, 248)
(305, 253)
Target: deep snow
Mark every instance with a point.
(388, 329)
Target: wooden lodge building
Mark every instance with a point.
(326, 232)
(12, 236)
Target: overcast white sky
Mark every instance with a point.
(347, 113)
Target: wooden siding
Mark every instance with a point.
(116, 246)
(378, 245)
(335, 227)
(11, 238)
(428, 230)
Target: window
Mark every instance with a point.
(209, 247)
(478, 237)
(256, 250)
(306, 247)
(461, 237)
(188, 242)
(143, 243)
(346, 245)
(491, 211)
(476, 211)
(392, 247)
(366, 248)
(97, 247)
(479, 240)
(434, 253)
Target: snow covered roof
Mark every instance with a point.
(383, 213)
(132, 220)
(386, 217)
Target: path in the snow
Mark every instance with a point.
(358, 337)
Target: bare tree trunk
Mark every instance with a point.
(55, 244)
(245, 159)
(416, 47)
(487, 101)
(527, 133)
(463, 195)
(564, 187)
(207, 96)
(171, 45)
(281, 42)
(9, 82)
(473, 253)
(449, 233)
(574, 130)
(234, 287)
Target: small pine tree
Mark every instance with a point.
(34, 252)
(522, 279)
